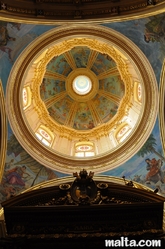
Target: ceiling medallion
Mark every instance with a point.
(114, 141)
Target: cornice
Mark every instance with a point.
(64, 180)
(81, 11)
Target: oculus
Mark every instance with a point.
(82, 84)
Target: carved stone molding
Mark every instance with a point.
(77, 10)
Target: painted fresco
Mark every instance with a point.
(83, 119)
(155, 29)
(113, 85)
(151, 37)
(80, 55)
(147, 167)
(14, 37)
(102, 63)
(105, 108)
(51, 87)
(22, 171)
(59, 65)
(60, 110)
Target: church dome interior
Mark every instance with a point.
(83, 98)
(82, 138)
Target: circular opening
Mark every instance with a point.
(82, 84)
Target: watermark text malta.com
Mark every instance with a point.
(125, 242)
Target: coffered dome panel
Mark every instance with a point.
(82, 100)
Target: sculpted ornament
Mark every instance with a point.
(66, 46)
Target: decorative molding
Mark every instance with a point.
(3, 131)
(48, 11)
(54, 75)
(162, 106)
(95, 45)
(49, 102)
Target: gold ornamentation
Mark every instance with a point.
(162, 106)
(66, 46)
(3, 131)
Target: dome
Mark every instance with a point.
(82, 88)
(84, 100)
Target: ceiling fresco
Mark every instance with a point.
(99, 109)
(135, 168)
(60, 110)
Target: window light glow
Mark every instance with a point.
(82, 84)
(44, 137)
